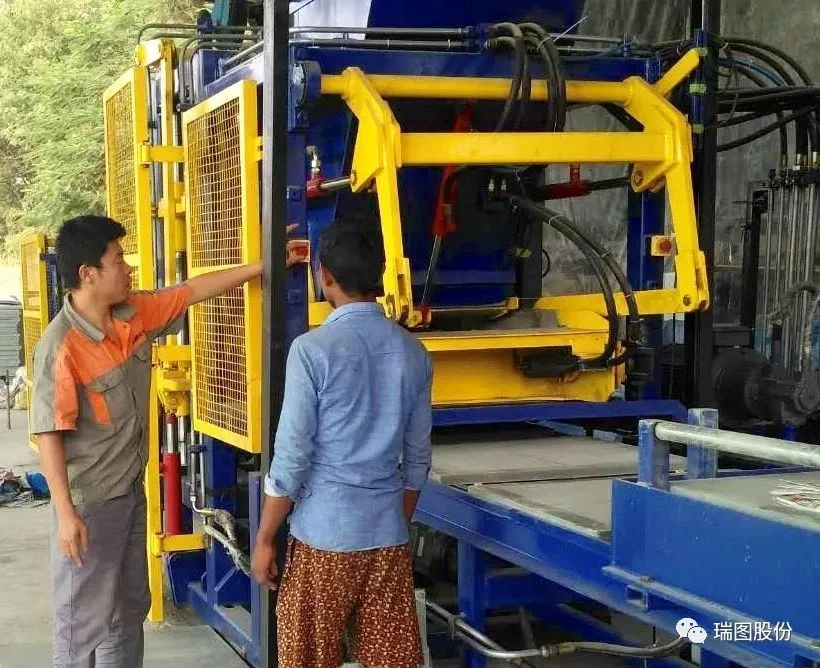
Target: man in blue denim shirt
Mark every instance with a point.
(352, 452)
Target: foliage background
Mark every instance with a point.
(56, 59)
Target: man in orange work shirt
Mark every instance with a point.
(90, 413)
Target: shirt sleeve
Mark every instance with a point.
(161, 311)
(293, 447)
(418, 452)
(54, 405)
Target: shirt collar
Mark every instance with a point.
(355, 308)
(122, 311)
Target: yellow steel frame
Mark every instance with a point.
(35, 306)
(170, 374)
(245, 93)
(661, 155)
(136, 80)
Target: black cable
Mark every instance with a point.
(762, 132)
(552, 83)
(517, 38)
(526, 92)
(600, 254)
(777, 52)
(547, 261)
(552, 59)
(757, 79)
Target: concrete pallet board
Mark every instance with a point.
(531, 459)
(583, 506)
(752, 494)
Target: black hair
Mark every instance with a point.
(83, 241)
(353, 252)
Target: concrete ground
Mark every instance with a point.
(25, 598)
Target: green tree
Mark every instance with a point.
(56, 59)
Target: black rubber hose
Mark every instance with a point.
(526, 92)
(568, 229)
(805, 131)
(546, 43)
(552, 83)
(598, 268)
(520, 55)
(762, 132)
(797, 67)
(757, 79)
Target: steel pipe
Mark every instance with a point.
(476, 88)
(788, 320)
(489, 648)
(238, 57)
(344, 30)
(781, 216)
(764, 321)
(448, 45)
(194, 26)
(746, 445)
(439, 32)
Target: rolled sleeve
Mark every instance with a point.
(161, 311)
(54, 398)
(294, 444)
(418, 451)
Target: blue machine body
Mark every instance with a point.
(645, 569)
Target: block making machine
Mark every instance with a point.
(444, 124)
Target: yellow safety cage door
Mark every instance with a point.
(220, 139)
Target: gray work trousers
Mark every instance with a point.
(100, 607)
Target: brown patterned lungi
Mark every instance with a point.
(322, 591)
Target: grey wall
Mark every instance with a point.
(789, 24)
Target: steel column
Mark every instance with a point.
(274, 210)
(699, 330)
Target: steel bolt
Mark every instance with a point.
(687, 300)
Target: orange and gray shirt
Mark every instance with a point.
(94, 387)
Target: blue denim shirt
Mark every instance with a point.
(354, 430)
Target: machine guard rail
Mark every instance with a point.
(704, 441)
(661, 155)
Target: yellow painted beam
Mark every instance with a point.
(183, 543)
(505, 340)
(476, 88)
(489, 148)
(650, 302)
(162, 154)
(677, 73)
(175, 353)
(154, 509)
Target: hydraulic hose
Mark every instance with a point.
(801, 72)
(487, 647)
(517, 36)
(762, 132)
(600, 259)
(803, 129)
(755, 78)
(541, 40)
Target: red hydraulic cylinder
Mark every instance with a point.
(172, 487)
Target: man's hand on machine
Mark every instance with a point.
(296, 250)
(217, 283)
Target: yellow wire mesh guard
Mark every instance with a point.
(222, 204)
(127, 178)
(30, 249)
(35, 305)
(121, 184)
(32, 331)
